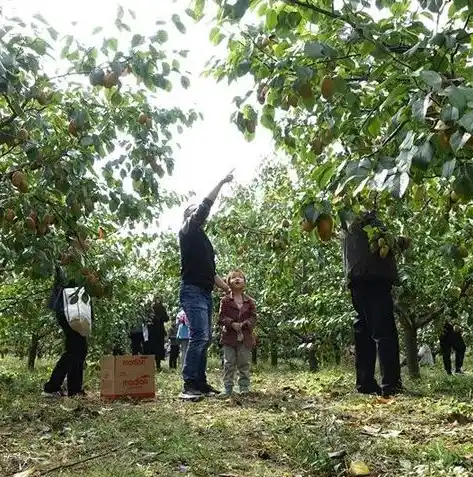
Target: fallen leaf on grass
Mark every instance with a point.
(371, 431)
(359, 468)
(25, 473)
(337, 454)
(376, 432)
(383, 400)
(391, 433)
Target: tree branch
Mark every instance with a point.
(327, 13)
(388, 139)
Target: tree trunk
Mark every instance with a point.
(33, 351)
(313, 362)
(254, 356)
(410, 342)
(274, 355)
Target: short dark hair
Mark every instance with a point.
(189, 210)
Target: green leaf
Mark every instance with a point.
(456, 97)
(137, 40)
(271, 19)
(87, 141)
(463, 184)
(432, 78)
(448, 168)
(40, 18)
(396, 94)
(315, 49)
(236, 10)
(162, 36)
(185, 82)
(466, 121)
(424, 155)
(97, 30)
(178, 24)
(458, 140)
(216, 36)
(433, 5)
(420, 107)
(120, 13)
(400, 185)
(112, 43)
(53, 33)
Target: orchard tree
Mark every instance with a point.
(87, 141)
(298, 287)
(372, 101)
(368, 94)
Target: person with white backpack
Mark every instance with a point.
(74, 315)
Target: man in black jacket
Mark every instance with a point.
(71, 363)
(154, 345)
(198, 278)
(451, 338)
(370, 279)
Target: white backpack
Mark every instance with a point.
(78, 313)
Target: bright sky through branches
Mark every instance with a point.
(213, 146)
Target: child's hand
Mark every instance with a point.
(236, 327)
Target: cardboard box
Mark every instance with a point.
(127, 376)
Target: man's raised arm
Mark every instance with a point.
(195, 218)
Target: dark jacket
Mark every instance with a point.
(197, 252)
(360, 263)
(230, 313)
(56, 302)
(450, 337)
(156, 332)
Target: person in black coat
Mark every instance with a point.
(370, 279)
(174, 346)
(136, 339)
(154, 345)
(452, 339)
(71, 363)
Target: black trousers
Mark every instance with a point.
(136, 343)
(375, 333)
(173, 356)
(449, 342)
(71, 363)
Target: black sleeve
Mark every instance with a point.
(198, 217)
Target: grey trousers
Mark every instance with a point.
(184, 344)
(236, 358)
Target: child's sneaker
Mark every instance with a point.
(53, 395)
(228, 393)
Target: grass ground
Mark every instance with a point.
(297, 424)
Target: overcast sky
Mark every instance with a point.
(213, 146)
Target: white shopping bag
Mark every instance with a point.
(78, 313)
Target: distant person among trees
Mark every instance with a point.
(451, 339)
(182, 334)
(71, 363)
(173, 345)
(370, 278)
(136, 337)
(198, 278)
(425, 357)
(156, 316)
(237, 319)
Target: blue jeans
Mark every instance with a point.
(197, 304)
